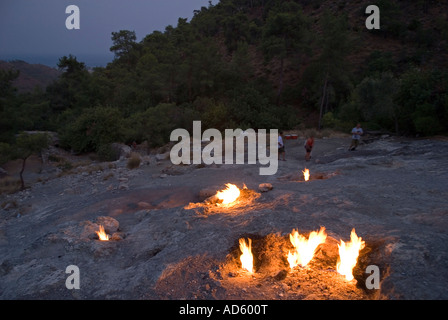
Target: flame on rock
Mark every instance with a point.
(306, 174)
(348, 255)
(247, 259)
(228, 195)
(305, 248)
(102, 234)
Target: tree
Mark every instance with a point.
(283, 34)
(331, 66)
(154, 125)
(26, 145)
(72, 89)
(70, 65)
(94, 128)
(123, 45)
(8, 101)
(374, 98)
(422, 100)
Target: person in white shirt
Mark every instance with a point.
(281, 146)
(356, 136)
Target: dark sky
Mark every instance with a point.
(34, 29)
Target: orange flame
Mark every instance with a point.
(247, 259)
(305, 249)
(348, 255)
(102, 234)
(306, 174)
(228, 195)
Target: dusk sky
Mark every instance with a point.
(35, 31)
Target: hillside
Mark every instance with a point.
(31, 75)
(253, 64)
(412, 33)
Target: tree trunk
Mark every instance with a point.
(324, 94)
(189, 85)
(21, 174)
(396, 124)
(280, 84)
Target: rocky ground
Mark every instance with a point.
(393, 191)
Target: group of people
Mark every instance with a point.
(356, 132)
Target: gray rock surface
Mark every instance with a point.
(393, 191)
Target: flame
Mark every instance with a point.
(306, 174)
(228, 195)
(348, 255)
(305, 249)
(102, 234)
(247, 259)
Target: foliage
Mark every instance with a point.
(106, 152)
(5, 152)
(26, 145)
(153, 125)
(374, 98)
(92, 129)
(248, 64)
(423, 101)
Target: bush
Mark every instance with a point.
(154, 125)
(423, 101)
(5, 152)
(94, 128)
(107, 153)
(9, 185)
(329, 121)
(134, 161)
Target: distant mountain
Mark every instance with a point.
(31, 75)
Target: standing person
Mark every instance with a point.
(281, 146)
(356, 136)
(309, 143)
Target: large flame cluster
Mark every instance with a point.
(246, 258)
(348, 255)
(305, 249)
(229, 195)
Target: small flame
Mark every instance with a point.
(306, 174)
(102, 234)
(247, 259)
(305, 249)
(228, 195)
(348, 255)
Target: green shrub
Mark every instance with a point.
(94, 128)
(154, 125)
(107, 153)
(329, 121)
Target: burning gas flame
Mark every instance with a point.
(102, 234)
(247, 259)
(306, 174)
(305, 249)
(228, 195)
(348, 255)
